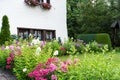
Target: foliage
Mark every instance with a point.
(96, 67)
(87, 38)
(5, 32)
(28, 60)
(27, 65)
(101, 38)
(104, 38)
(3, 56)
(84, 16)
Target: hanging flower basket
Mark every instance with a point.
(45, 5)
(32, 2)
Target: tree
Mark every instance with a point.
(5, 32)
(85, 16)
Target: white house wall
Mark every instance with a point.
(22, 15)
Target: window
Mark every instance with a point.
(42, 34)
(46, 1)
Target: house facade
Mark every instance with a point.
(26, 19)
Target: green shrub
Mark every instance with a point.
(103, 38)
(96, 67)
(3, 56)
(28, 60)
(5, 32)
(87, 37)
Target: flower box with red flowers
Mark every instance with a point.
(46, 5)
(32, 2)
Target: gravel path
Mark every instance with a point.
(4, 75)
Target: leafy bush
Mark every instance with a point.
(87, 38)
(3, 56)
(96, 67)
(28, 60)
(103, 38)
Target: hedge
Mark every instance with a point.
(101, 38)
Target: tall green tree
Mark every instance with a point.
(86, 16)
(5, 30)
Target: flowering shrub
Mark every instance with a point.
(96, 67)
(43, 71)
(48, 70)
(4, 53)
(26, 62)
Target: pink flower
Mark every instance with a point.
(8, 67)
(53, 77)
(39, 66)
(36, 73)
(11, 47)
(8, 62)
(63, 67)
(12, 55)
(31, 75)
(18, 48)
(43, 44)
(52, 60)
(52, 67)
(3, 48)
(43, 72)
(9, 59)
(68, 62)
(76, 60)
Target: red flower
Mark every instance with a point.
(32, 2)
(46, 5)
(63, 49)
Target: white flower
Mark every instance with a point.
(7, 47)
(55, 53)
(38, 50)
(25, 69)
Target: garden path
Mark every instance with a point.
(5, 75)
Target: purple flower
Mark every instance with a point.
(3, 48)
(18, 48)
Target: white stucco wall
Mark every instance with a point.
(22, 15)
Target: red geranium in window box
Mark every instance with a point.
(32, 2)
(46, 5)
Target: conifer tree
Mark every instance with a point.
(5, 32)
